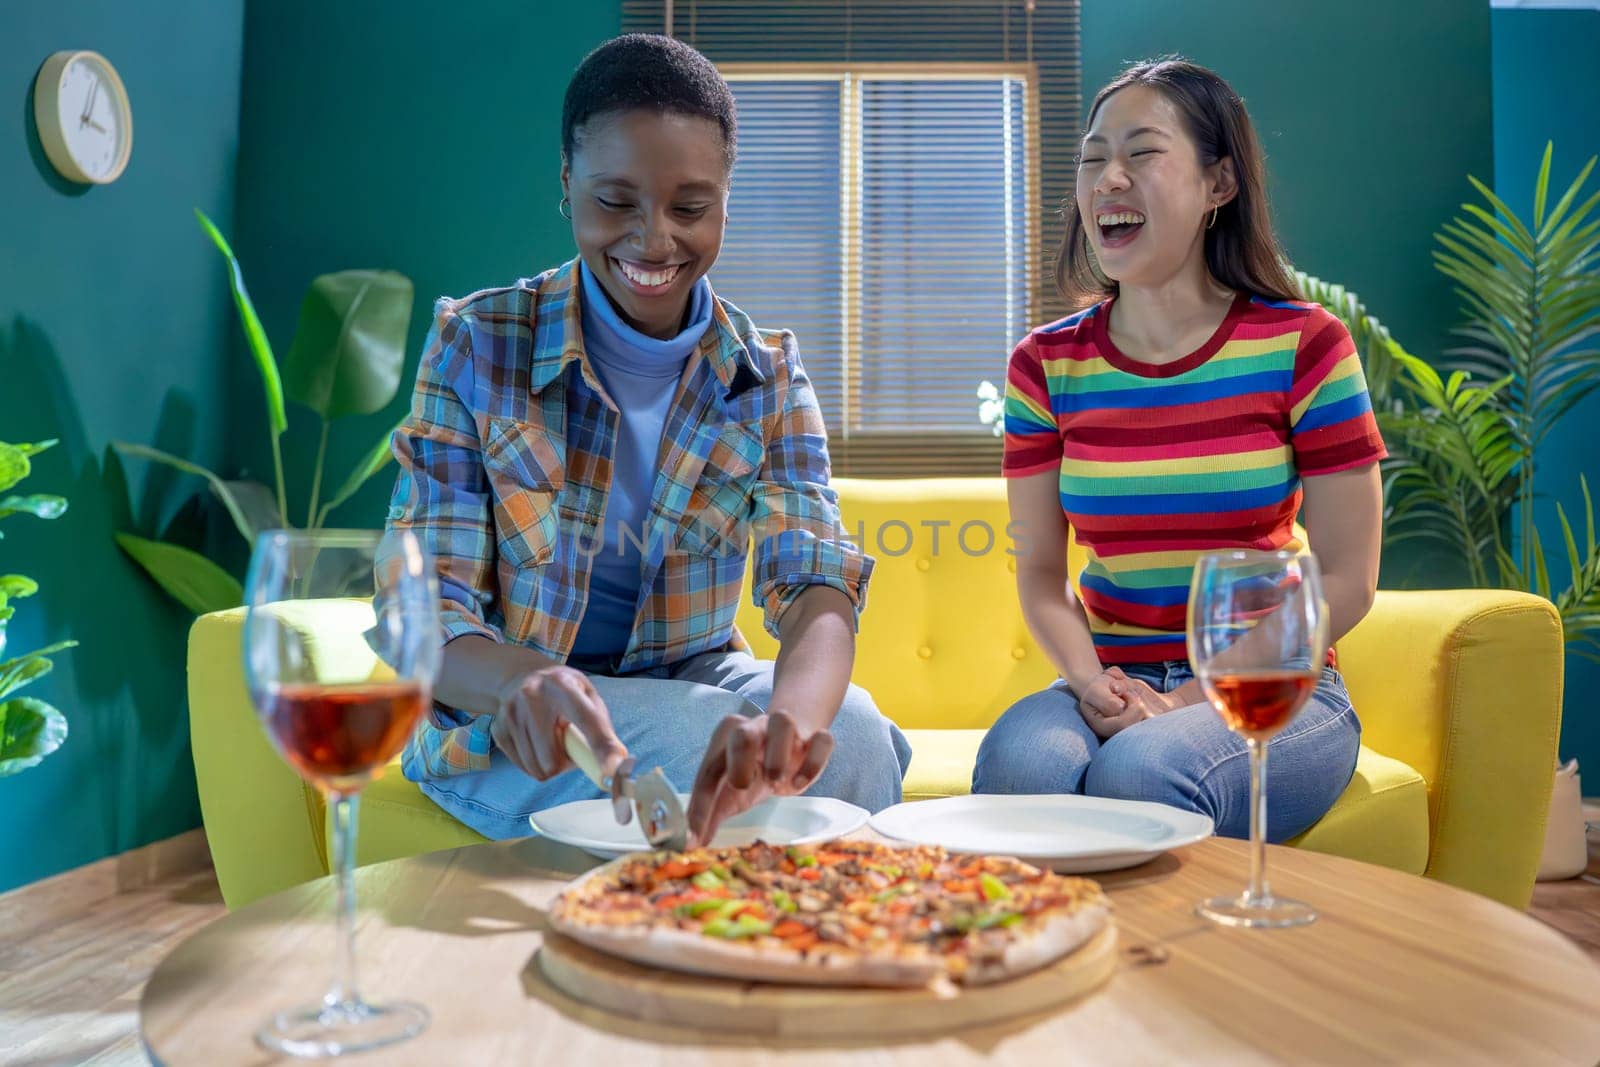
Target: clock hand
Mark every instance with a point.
(88, 104)
(93, 125)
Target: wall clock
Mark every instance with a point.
(85, 122)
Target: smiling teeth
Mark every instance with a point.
(649, 277)
(1120, 218)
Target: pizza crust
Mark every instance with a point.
(1055, 938)
(687, 950)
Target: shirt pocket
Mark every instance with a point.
(717, 520)
(526, 473)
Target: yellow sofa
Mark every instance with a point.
(1459, 694)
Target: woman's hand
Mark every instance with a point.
(1186, 694)
(534, 709)
(750, 759)
(1112, 702)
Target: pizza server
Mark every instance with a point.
(650, 795)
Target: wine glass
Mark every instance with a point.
(1258, 638)
(339, 700)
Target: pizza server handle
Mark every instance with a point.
(618, 786)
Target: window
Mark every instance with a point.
(888, 202)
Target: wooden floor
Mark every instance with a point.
(76, 950)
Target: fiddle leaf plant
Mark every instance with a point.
(30, 729)
(345, 360)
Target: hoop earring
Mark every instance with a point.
(565, 207)
(1213, 221)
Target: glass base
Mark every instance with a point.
(325, 1030)
(1268, 911)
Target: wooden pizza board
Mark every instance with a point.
(651, 994)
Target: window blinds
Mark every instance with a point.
(895, 200)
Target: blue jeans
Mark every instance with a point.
(665, 717)
(1186, 758)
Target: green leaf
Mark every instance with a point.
(29, 731)
(41, 505)
(190, 578)
(1541, 184)
(14, 465)
(38, 446)
(351, 342)
(45, 651)
(236, 511)
(254, 333)
(19, 672)
(371, 464)
(17, 585)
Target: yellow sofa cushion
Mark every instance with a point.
(1381, 817)
(941, 763)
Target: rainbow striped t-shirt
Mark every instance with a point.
(1161, 464)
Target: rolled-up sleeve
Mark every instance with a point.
(799, 538)
(442, 492)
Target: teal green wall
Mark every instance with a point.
(1372, 114)
(1545, 89)
(379, 133)
(113, 324)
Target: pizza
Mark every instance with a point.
(842, 913)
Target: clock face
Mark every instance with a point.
(92, 116)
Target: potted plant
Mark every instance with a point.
(346, 358)
(30, 729)
(1464, 444)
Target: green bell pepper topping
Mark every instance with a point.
(743, 926)
(707, 880)
(696, 908)
(992, 887)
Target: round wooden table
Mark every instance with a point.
(1398, 968)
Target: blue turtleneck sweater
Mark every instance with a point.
(641, 373)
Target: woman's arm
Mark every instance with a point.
(815, 657)
(1107, 699)
(1344, 521)
(531, 698)
(1054, 615)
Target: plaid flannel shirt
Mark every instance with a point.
(505, 463)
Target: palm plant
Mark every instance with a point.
(1464, 447)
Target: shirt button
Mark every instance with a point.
(1019, 653)
(925, 652)
(923, 564)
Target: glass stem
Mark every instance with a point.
(1258, 891)
(343, 992)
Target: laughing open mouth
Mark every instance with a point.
(1117, 228)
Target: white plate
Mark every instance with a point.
(1070, 834)
(591, 826)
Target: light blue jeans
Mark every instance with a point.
(665, 717)
(1186, 758)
